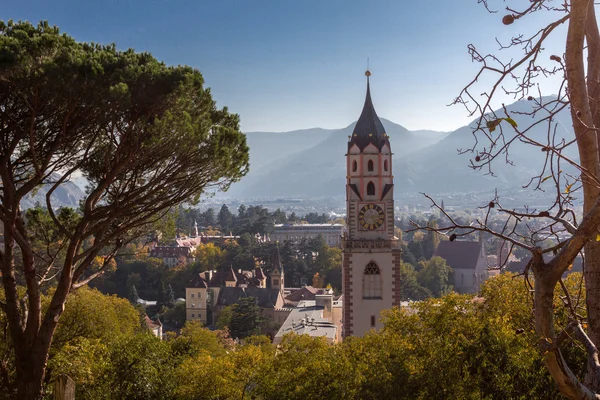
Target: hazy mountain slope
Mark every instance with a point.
(66, 195)
(320, 169)
(439, 168)
(268, 146)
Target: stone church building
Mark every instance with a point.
(371, 252)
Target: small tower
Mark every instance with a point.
(277, 274)
(195, 230)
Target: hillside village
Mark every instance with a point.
(154, 247)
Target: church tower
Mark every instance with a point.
(371, 252)
(277, 274)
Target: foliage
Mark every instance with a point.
(209, 256)
(436, 276)
(146, 137)
(456, 346)
(246, 319)
(410, 287)
(224, 320)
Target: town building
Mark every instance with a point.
(316, 318)
(468, 261)
(371, 252)
(331, 233)
(155, 327)
(180, 251)
(211, 291)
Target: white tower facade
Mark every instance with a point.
(371, 252)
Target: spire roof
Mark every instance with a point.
(277, 260)
(369, 128)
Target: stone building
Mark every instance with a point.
(469, 262)
(211, 291)
(331, 233)
(371, 252)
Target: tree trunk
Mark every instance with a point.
(592, 289)
(545, 282)
(30, 376)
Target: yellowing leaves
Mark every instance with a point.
(491, 125)
(568, 188)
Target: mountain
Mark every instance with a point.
(67, 194)
(309, 163)
(298, 164)
(266, 147)
(440, 169)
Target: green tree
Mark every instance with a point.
(431, 241)
(162, 297)
(209, 256)
(141, 367)
(410, 287)
(246, 319)
(146, 136)
(225, 219)
(436, 276)
(195, 339)
(133, 295)
(224, 320)
(170, 297)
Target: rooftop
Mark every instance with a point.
(307, 319)
(368, 129)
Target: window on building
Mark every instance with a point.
(372, 282)
(192, 295)
(354, 166)
(275, 282)
(199, 295)
(370, 166)
(193, 315)
(372, 321)
(385, 165)
(199, 315)
(370, 189)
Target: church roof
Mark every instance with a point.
(459, 254)
(277, 260)
(265, 298)
(368, 128)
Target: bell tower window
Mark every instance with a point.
(385, 165)
(354, 166)
(370, 189)
(372, 282)
(370, 166)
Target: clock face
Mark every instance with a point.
(371, 216)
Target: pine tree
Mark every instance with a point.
(161, 298)
(170, 297)
(133, 295)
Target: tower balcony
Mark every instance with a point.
(369, 244)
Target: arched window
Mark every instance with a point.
(354, 166)
(372, 282)
(385, 165)
(370, 189)
(370, 166)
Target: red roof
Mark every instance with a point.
(306, 293)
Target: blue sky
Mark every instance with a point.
(285, 64)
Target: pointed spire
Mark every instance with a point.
(277, 260)
(369, 128)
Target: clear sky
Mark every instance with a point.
(287, 64)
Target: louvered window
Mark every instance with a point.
(372, 282)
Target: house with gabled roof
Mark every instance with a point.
(211, 291)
